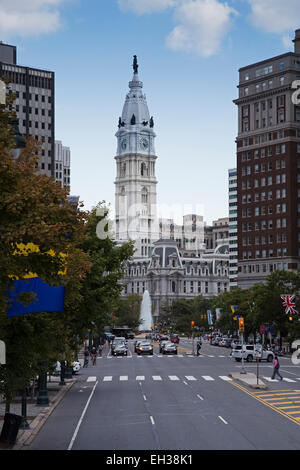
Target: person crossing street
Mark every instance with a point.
(276, 366)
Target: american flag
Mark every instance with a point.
(289, 304)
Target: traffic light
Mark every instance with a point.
(290, 319)
(192, 324)
(241, 324)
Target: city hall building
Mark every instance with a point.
(171, 260)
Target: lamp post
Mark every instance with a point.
(24, 424)
(42, 398)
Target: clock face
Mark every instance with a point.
(124, 144)
(144, 143)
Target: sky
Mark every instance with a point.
(189, 53)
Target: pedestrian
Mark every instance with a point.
(199, 344)
(86, 357)
(94, 355)
(276, 366)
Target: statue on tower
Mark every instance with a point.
(135, 64)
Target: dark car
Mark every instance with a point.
(162, 344)
(174, 338)
(144, 348)
(120, 350)
(169, 348)
(130, 335)
(164, 338)
(138, 342)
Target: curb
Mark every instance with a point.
(249, 379)
(35, 426)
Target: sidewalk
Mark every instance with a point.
(36, 414)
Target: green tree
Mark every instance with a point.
(127, 311)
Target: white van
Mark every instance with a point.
(251, 352)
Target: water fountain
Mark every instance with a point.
(145, 314)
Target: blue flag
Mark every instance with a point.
(48, 298)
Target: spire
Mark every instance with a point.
(135, 64)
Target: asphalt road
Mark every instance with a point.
(176, 403)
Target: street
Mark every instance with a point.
(175, 402)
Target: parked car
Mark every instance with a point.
(76, 366)
(144, 348)
(169, 348)
(161, 345)
(250, 352)
(174, 338)
(109, 336)
(120, 349)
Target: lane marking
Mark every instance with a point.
(201, 398)
(107, 378)
(225, 377)
(222, 419)
(152, 420)
(144, 397)
(123, 377)
(173, 377)
(81, 417)
(91, 379)
(190, 377)
(156, 377)
(264, 402)
(207, 377)
(140, 377)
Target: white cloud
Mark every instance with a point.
(202, 27)
(146, 6)
(29, 17)
(275, 16)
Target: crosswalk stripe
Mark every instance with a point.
(123, 377)
(190, 377)
(140, 377)
(288, 380)
(269, 379)
(173, 377)
(207, 377)
(107, 378)
(225, 377)
(156, 377)
(91, 379)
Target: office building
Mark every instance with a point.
(268, 167)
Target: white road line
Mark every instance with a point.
(222, 419)
(81, 418)
(144, 397)
(288, 380)
(225, 377)
(201, 398)
(140, 377)
(270, 380)
(173, 377)
(107, 378)
(190, 377)
(123, 377)
(207, 377)
(152, 420)
(91, 379)
(180, 355)
(156, 377)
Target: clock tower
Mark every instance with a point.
(135, 184)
